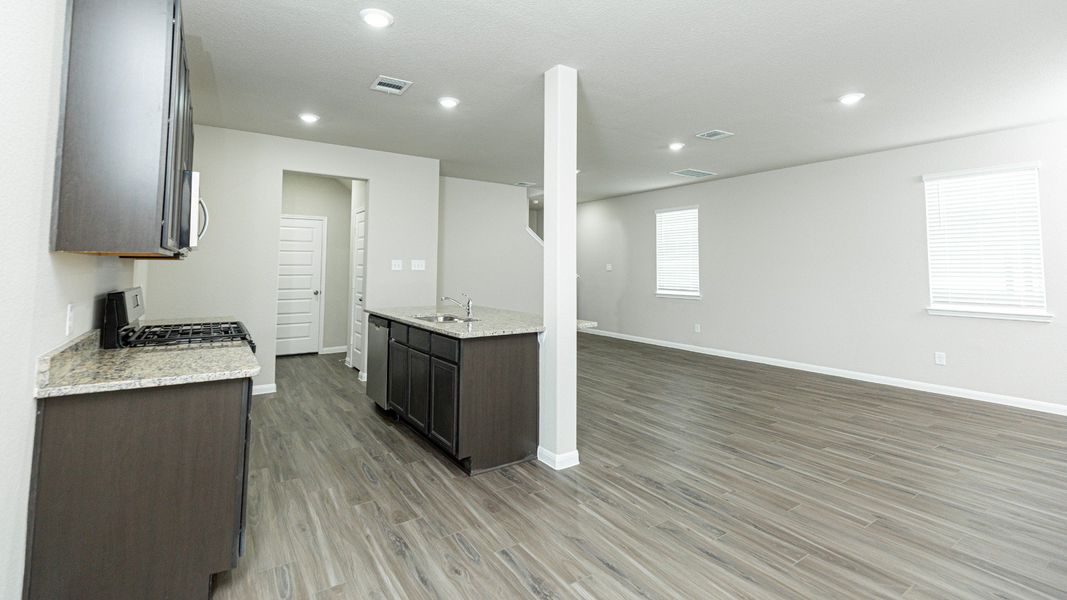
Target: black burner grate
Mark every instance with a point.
(190, 333)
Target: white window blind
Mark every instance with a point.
(984, 241)
(677, 252)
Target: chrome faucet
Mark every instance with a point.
(469, 305)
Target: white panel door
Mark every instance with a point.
(300, 255)
(359, 249)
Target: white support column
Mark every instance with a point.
(559, 353)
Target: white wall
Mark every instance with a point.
(826, 264)
(235, 270)
(38, 285)
(314, 195)
(485, 248)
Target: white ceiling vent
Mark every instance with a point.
(714, 134)
(525, 184)
(693, 173)
(390, 85)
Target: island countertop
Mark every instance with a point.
(490, 321)
(81, 366)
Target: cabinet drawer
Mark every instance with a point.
(445, 347)
(419, 339)
(398, 332)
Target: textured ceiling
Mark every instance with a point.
(649, 73)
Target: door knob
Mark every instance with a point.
(316, 292)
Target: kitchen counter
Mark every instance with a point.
(490, 321)
(81, 367)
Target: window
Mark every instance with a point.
(984, 241)
(677, 253)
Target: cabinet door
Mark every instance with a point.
(444, 402)
(419, 392)
(173, 175)
(398, 377)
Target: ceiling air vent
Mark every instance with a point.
(714, 134)
(524, 184)
(390, 85)
(693, 173)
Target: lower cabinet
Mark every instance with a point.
(444, 385)
(418, 413)
(475, 398)
(138, 493)
(398, 377)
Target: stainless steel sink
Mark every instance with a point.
(439, 318)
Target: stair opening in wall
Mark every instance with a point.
(535, 198)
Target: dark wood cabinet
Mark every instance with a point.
(476, 398)
(399, 384)
(418, 412)
(124, 170)
(444, 382)
(138, 493)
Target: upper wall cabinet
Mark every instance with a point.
(124, 184)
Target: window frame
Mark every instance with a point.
(988, 311)
(674, 294)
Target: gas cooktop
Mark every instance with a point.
(190, 333)
(122, 313)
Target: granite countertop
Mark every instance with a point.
(81, 366)
(490, 321)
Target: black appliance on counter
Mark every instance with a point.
(121, 328)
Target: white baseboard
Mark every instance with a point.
(334, 350)
(558, 461)
(266, 388)
(922, 386)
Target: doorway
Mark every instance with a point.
(327, 200)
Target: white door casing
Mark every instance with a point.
(301, 262)
(359, 249)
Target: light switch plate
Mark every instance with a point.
(696, 327)
(418, 265)
(940, 359)
(609, 267)
(398, 264)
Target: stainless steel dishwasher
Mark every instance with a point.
(378, 361)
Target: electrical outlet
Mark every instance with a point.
(418, 265)
(609, 267)
(696, 327)
(70, 319)
(398, 264)
(939, 358)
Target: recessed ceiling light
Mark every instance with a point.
(448, 102)
(376, 17)
(309, 118)
(676, 146)
(850, 99)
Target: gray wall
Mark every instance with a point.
(235, 270)
(38, 285)
(825, 264)
(314, 195)
(485, 247)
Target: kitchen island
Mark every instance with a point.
(469, 386)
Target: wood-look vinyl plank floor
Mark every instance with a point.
(701, 477)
